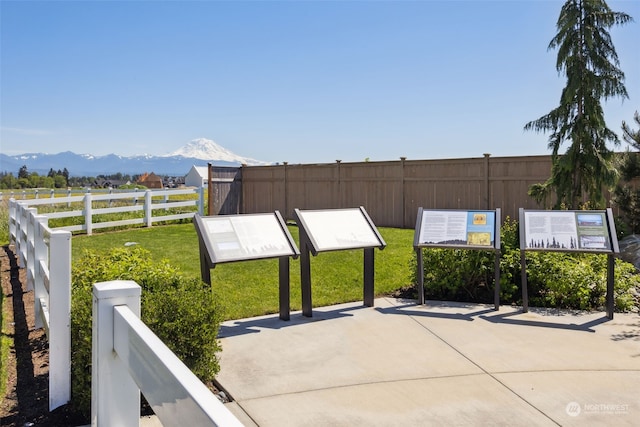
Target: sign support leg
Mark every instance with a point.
(496, 295)
(525, 291)
(369, 272)
(205, 272)
(420, 275)
(285, 290)
(610, 278)
(305, 281)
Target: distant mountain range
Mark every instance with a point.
(198, 152)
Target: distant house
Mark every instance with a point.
(197, 176)
(109, 183)
(150, 180)
(173, 181)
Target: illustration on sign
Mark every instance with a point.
(566, 230)
(471, 228)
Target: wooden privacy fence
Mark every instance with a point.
(392, 192)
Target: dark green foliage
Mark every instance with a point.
(178, 309)
(588, 59)
(626, 194)
(25, 179)
(458, 274)
(555, 279)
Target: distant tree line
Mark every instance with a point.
(55, 179)
(26, 179)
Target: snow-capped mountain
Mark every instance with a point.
(206, 149)
(198, 152)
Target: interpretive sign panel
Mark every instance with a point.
(567, 230)
(337, 229)
(466, 229)
(242, 237)
(457, 229)
(570, 231)
(247, 237)
(332, 230)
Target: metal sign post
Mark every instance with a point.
(333, 230)
(569, 231)
(457, 229)
(232, 238)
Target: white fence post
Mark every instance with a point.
(201, 201)
(30, 246)
(12, 221)
(22, 235)
(60, 319)
(88, 213)
(115, 397)
(41, 254)
(148, 218)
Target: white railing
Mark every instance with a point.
(128, 358)
(88, 211)
(47, 255)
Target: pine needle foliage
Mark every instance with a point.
(627, 192)
(588, 59)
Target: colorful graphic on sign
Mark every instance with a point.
(566, 230)
(457, 228)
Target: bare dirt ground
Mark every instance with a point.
(26, 402)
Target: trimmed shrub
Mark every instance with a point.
(178, 309)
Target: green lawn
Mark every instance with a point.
(250, 288)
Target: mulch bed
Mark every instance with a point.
(26, 402)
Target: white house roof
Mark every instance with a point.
(203, 171)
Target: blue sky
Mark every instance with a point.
(296, 81)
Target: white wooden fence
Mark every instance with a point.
(88, 211)
(46, 254)
(128, 358)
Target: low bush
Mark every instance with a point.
(180, 310)
(554, 279)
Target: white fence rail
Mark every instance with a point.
(47, 256)
(150, 205)
(128, 358)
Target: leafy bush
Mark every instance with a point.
(458, 274)
(178, 309)
(554, 279)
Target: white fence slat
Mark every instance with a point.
(17, 216)
(175, 394)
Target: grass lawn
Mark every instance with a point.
(250, 288)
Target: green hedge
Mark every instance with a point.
(180, 310)
(555, 279)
